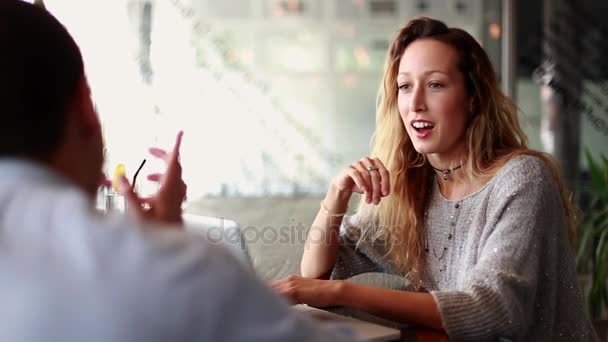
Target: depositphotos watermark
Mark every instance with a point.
(296, 233)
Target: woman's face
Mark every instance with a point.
(432, 99)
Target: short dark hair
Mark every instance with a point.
(40, 70)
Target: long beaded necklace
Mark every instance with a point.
(440, 253)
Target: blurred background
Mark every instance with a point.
(277, 96)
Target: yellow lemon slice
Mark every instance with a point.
(119, 171)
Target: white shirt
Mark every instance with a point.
(70, 274)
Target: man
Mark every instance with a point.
(70, 274)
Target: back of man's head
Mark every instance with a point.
(40, 70)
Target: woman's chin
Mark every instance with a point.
(423, 148)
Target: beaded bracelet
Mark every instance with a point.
(329, 213)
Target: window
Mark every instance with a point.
(275, 96)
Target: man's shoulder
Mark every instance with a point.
(62, 223)
(130, 285)
(156, 248)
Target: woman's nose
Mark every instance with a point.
(417, 101)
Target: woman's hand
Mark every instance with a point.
(314, 292)
(367, 176)
(166, 205)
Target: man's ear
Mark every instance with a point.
(83, 109)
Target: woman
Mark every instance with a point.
(454, 201)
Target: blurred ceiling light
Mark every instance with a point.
(361, 56)
(494, 30)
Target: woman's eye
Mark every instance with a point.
(435, 85)
(404, 86)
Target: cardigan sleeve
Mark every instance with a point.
(354, 256)
(519, 243)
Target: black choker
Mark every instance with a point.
(447, 172)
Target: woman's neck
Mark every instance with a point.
(459, 184)
(452, 175)
(443, 163)
(446, 166)
(454, 188)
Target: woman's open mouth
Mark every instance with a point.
(422, 128)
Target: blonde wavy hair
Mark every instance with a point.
(493, 137)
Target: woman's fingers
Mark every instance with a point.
(287, 287)
(358, 179)
(314, 292)
(385, 179)
(375, 176)
(290, 279)
(368, 179)
(372, 170)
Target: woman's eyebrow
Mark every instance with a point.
(428, 72)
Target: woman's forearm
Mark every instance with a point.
(415, 308)
(321, 246)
